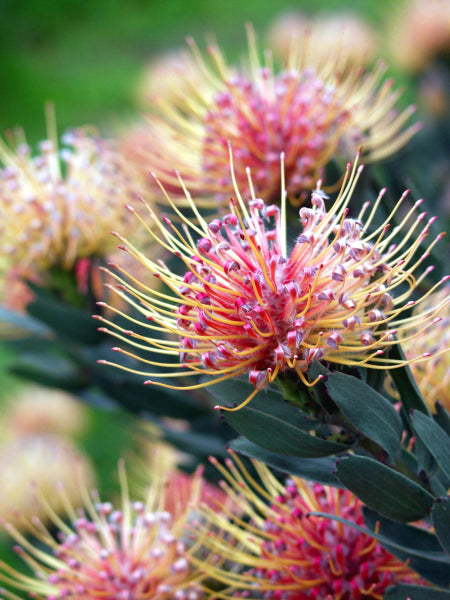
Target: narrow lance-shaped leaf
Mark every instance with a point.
(415, 592)
(410, 395)
(434, 438)
(367, 410)
(383, 489)
(418, 546)
(440, 517)
(279, 427)
(320, 470)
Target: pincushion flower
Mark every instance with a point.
(33, 465)
(60, 205)
(248, 305)
(134, 552)
(313, 109)
(285, 552)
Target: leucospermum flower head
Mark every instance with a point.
(134, 552)
(285, 552)
(249, 305)
(313, 110)
(61, 204)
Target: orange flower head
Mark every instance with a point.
(418, 32)
(33, 465)
(249, 305)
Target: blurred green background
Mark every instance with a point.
(86, 55)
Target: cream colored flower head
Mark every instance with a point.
(60, 204)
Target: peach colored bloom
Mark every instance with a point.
(34, 465)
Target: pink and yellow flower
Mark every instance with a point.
(281, 550)
(249, 305)
(134, 552)
(314, 110)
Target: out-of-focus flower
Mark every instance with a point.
(284, 551)
(248, 305)
(61, 205)
(37, 410)
(134, 552)
(346, 33)
(35, 465)
(419, 30)
(313, 110)
(433, 376)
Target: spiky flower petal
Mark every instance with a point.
(135, 552)
(248, 305)
(313, 110)
(281, 550)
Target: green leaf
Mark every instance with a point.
(320, 470)
(434, 438)
(367, 410)
(280, 427)
(442, 417)
(440, 517)
(406, 385)
(383, 489)
(24, 324)
(51, 371)
(414, 592)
